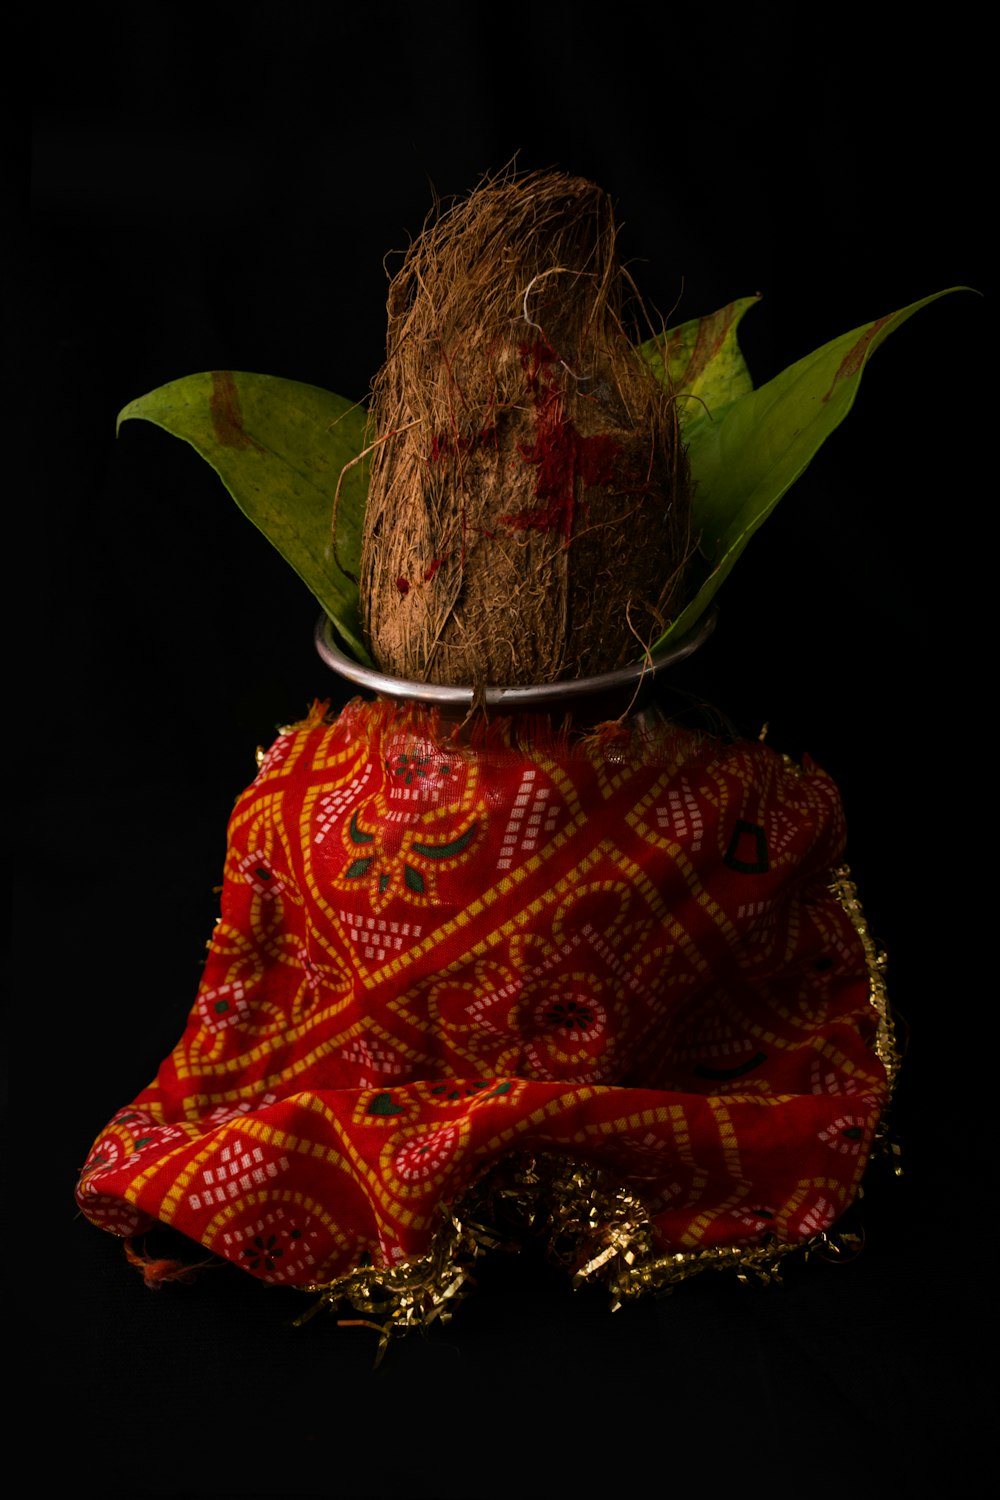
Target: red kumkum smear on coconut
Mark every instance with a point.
(560, 454)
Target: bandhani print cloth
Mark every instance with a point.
(622, 974)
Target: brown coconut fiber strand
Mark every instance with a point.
(528, 511)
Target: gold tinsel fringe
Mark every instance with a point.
(588, 1221)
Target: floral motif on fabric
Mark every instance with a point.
(433, 954)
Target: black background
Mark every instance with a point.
(217, 187)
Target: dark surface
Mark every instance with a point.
(218, 190)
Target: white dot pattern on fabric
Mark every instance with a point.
(332, 807)
(267, 1242)
(377, 936)
(531, 818)
(234, 1173)
(379, 1062)
(682, 816)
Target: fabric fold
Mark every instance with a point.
(441, 950)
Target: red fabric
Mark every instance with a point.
(431, 955)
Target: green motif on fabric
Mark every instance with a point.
(408, 766)
(384, 1104)
(362, 864)
(470, 1090)
(747, 852)
(412, 878)
(358, 834)
(444, 851)
(263, 1254)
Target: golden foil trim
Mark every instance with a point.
(588, 1221)
(886, 1045)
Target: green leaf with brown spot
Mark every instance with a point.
(280, 449)
(746, 450)
(703, 363)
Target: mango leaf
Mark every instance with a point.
(703, 363)
(279, 448)
(747, 451)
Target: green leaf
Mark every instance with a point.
(703, 363)
(280, 449)
(747, 451)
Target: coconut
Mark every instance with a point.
(528, 508)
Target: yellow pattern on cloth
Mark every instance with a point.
(436, 955)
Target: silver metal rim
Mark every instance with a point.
(534, 696)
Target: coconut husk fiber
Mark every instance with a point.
(527, 517)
